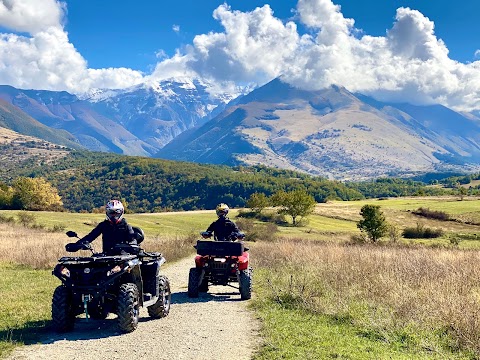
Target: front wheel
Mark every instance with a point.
(62, 314)
(194, 282)
(245, 283)
(128, 307)
(162, 307)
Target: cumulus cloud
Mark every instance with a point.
(31, 16)
(176, 28)
(409, 63)
(38, 54)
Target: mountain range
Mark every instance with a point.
(134, 121)
(330, 132)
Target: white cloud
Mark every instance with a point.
(409, 63)
(31, 16)
(176, 28)
(45, 59)
(477, 53)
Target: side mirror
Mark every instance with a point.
(72, 234)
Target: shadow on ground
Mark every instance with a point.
(41, 332)
(182, 297)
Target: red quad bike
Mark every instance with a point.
(221, 263)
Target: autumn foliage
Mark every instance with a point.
(30, 194)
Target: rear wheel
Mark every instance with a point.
(128, 307)
(245, 283)
(203, 285)
(162, 307)
(194, 282)
(62, 315)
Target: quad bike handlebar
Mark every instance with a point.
(233, 236)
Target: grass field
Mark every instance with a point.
(24, 304)
(317, 297)
(329, 300)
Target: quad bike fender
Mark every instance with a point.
(200, 261)
(243, 261)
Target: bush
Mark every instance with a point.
(421, 232)
(248, 214)
(432, 214)
(58, 228)
(393, 233)
(7, 219)
(271, 217)
(357, 239)
(254, 232)
(26, 219)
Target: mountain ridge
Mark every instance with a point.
(332, 133)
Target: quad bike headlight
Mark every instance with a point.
(114, 270)
(64, 271)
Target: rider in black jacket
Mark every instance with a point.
(114, 230)
(223, 228)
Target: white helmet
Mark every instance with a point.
(114, 210)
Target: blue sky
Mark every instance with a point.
(419, 51)
(115, 33)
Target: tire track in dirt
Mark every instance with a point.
(217, 325)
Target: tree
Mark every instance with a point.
(296, 203)
(461, 191)
(373, 223)
(6, 196)
(257, 202)
(35, 194)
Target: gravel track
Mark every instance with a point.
(216, 325)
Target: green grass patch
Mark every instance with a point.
(290, 331)
(25, 305)
(182, 223)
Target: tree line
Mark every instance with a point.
(86, 180)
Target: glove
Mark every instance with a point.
(240, 235)
(72, 247)
(206, 234)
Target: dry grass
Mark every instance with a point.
(39, 249)
(34, 248)
(382, 289)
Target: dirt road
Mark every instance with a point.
(215, 326)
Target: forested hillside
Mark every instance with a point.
(86, 180)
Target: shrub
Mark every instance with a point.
(358, 239)
(254, 232)
(26, 219)
(58, 228)
(248, 214)
(421, 232)
(7, 219)
(432, 214)
(393, 233)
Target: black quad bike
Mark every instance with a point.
(97, 285)
(221, 263)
